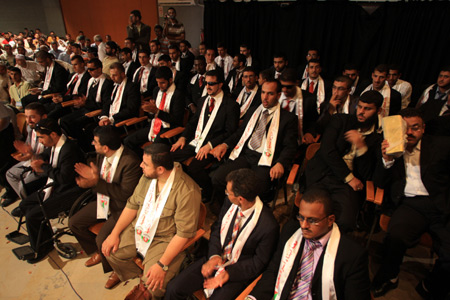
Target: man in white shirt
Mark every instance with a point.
(155, 52)
(223, 60)
(403, 87)
(315, 84)
(98, 41)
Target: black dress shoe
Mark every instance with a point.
(16, 212)
(379, 290)
(41, 255)
(8, 201)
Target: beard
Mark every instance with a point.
(369, 122)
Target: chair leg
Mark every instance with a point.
(372, 229)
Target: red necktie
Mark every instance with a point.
(311, 87)
(211, 105)
(158, 122)
(72, 85)
(200, 81)
(140, 74)
(286, 105)
(237, 224)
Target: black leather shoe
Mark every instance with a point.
(16, 212)
(41, 255)
(8, 201)
(379, 290)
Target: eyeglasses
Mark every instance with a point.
(92, 69)
(211, 83)
(310, 221)
(288, 86)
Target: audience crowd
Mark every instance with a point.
(156, 129)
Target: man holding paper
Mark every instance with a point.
(240, 247)
(112, 177)
(159, 218)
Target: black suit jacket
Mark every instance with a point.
(286, 145)
(132, 69)
(236, 83)
(64, 173)
(325, 115)
(187, 62)
(151, 81)
(432, 108)
(129, 107)
(176, 110)
(225, 123)
(142, 38)
(327, 88)
(255, 103)
(396, 102)
(351, 273)
(257, 250)
(125, 179)
(328, 160)
(58, 81)
(194, 91)
(361, 86)
(434, 172)
(105, 95)
(82, 88)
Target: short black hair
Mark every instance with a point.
(136, 13)
(47, 126)
(200, 57)
(165, 58)
(221, 45)
(372, 97)
(118, 66)
(345, 79)
(97, 63)
(160, 154)
(244, 183)
(314, 60)
(241, 58)
(126, 50)
(280, 55)
(108, 136)
(216, 73)
(174, 47)
(382, 68)
(77, 57)
(186, 42)
(157, 26)
(250, 69)
(164, 73)
(43, 54)
(15, 69)
(316, 195)
(273, 80)
(143, 51)
(266, 74)
(351, 66)
(38, 107)
(156, 42)
(410, 112)
(289, 74)
(112, 45)
(395, 67)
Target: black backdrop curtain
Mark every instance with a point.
(414, 35)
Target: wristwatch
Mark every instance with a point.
(165, 268)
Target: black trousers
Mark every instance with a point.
(196, 169)
(414, 217)
(191, 280)
(56, 203)
(6, 161)
(138, 138)
(79, 224)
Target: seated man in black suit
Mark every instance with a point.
(125, 99)
(266, 142)
(99, 89)
(179, 78)
(250, 94)
(77, 85)
(55, 80)
(312, 53)
(435, 105)
(250, 61)
(112, 177)
(215, 120)
(165, 111)
(315, 84)
(144, 76)
(419, 190)
(57, 163)
(280, 62)
(301, 103)
(358, 83)
(347, 157)
(313, 259)
(341, 102)
(125, 57)
(392, 102)
(233, 82)
(197, 85)
(242, 242)
(187, 57)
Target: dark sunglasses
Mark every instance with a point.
(211, 83)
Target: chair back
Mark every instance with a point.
(310, 152)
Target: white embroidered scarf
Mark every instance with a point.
(290, 252)
(48, 77)
(77, 84)
(271, 140)
(200, 135)
(117, 101)
(425, 95)
(152, 208)
(103, 200)
(243, 236)
(101, 80)
(54, 162)
(151, 134)
(320, 91)
(244, 107)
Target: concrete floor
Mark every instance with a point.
(59, 278)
